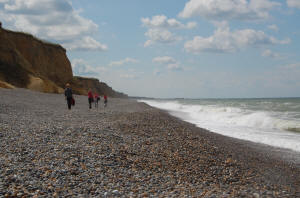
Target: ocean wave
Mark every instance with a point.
(240, 120)
(232, 116)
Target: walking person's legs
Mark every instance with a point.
(90, 103)
(69, 102)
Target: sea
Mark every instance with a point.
(271, 121)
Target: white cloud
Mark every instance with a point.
(86, 43)
(269, 53)
(228, 9)
(171, 63)
(161, 21)
(81, 67)
(293, 3)
(273, 27)
(160, 36)
(36, 7)
(53, 20)
(164, 60)
(174, 67)
(124, 61)
(159, 27)
(128, 76)
(223, 40)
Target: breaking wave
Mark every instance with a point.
(241, 120)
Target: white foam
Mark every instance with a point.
(258, 126)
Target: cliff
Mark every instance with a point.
(28, 62)
(81, 85)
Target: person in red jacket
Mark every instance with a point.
(90, 98)
(105, 100)
(96, 99)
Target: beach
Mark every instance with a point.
(128, 149)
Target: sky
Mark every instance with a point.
(167, 48)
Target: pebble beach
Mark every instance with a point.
(128, 149)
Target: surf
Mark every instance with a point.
(267, 121)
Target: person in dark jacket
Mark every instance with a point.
(68, 95)
(90, 98)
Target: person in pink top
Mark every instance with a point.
(97, 98)
(90, 98)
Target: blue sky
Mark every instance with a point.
(188, 48)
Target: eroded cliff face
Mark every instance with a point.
(30, 63)
(47, 60)
(81, 86)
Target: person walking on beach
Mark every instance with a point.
(105, 100)
(97, 98)
(69, 95)
(90, 98)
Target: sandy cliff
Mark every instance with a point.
(28, 62)
(81, 85)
